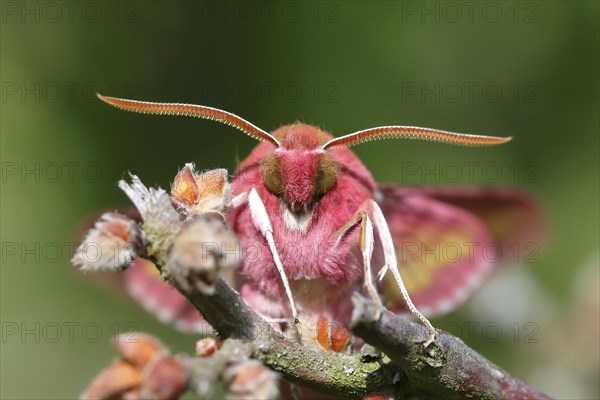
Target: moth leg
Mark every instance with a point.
(366, 241)
(391, 263)
(239, 200)
(261, 221)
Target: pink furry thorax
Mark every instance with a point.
(321, 275)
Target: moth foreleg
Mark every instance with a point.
(391, 264)
(239, 200)
(261, 221)
(366, 241)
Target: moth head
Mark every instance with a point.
(299, 177)
(299, 172)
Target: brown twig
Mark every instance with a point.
(333, 373)
(447, 368)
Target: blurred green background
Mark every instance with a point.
(526, 69)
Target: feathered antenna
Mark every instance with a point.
(191, 110)
(413, 132)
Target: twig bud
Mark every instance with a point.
(111, 245)
(166, 378)
(250, 380)
(146, 370)
(203, 250)
(113, 381)
(207, 347)
(195, 194)
(138, 348)
(161, 221)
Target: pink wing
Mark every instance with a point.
(512, 216)
(438, 247)
(448, 239)
(161, 300)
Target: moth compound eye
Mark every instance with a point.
(326, 175)
(271, 172)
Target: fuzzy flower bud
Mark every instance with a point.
(250, 380)
(195, 194)
(111, 245)
(161, 221)
(202, 252)
(145, 370)
(114, 381)
(166, 378)
(139, 349)
(207, 347)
